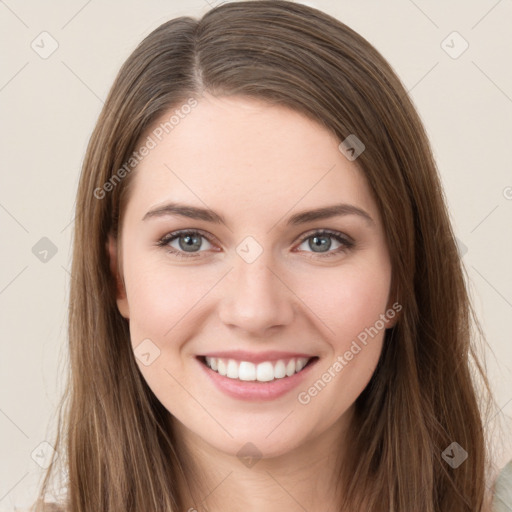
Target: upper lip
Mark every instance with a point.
(256, 357)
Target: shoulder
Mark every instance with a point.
(502, 499)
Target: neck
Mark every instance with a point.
(304, 478)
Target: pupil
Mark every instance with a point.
(190, 242)
(324, 243)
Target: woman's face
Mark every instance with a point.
(256, 291)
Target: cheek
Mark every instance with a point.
(350, 302)
(163, 300)
(160, 296)
(348, 299)
(329, 394)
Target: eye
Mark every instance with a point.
(320, 240)
(188, 241)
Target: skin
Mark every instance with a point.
(256, 165)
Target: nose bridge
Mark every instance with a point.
(255, 299)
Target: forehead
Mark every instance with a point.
(244, 155)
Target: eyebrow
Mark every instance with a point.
(193, 212)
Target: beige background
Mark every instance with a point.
(49, 107)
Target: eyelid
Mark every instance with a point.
(173, 235)
(326, 231)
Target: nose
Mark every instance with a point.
(256, 298)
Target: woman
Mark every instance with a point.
(225, 355)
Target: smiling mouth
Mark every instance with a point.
(266, 371)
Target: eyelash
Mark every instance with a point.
(347, 244)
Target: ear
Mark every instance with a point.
(121, 298)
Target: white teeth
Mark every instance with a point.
(300, 364)
(279, 370)
(290, 367)
(232, 371)
(265, 372)
(222, 367)
(262, 372)
(246, 371)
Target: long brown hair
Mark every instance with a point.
(118, 454)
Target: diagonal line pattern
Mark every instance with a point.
(214, 3)
(14, 76)
(68, 224)
(14, 486)
(82, 81)
(13, 217)
(13, 13)
(12, 280)
(14, 423)
(485, 15)
(493, 287)
(76, 14)
(488, 215)
(424, 14)
(216, 487)
(271, 476)
(492, 81)
(423, 77)
(279, 424)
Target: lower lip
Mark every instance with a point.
(254, 390)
